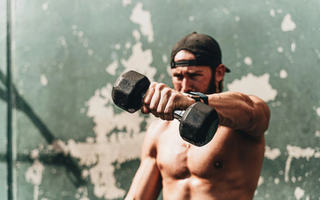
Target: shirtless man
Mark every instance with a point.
(228, 167)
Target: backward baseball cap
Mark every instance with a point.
(205, 49)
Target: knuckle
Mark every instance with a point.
(167, 111)
(160, 86)
(166, 91)
(174, 96)
(153, 84)
(152, 108)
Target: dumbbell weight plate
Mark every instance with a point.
(199, 124)
(129, 89)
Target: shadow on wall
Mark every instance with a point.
(60, 158)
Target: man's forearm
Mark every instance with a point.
(241, 112)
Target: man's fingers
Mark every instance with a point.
(149, 94)
(145, 110)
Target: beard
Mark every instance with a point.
(212, 84)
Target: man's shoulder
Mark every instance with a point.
(159, 126)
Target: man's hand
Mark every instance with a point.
(161, 101)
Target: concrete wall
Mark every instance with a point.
(69, 139)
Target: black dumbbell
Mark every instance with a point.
(198, 123)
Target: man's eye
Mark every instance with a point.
(178, 76)
(194, 75)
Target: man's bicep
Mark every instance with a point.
(146, 183)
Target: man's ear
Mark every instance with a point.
(220, 72)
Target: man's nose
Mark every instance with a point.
(186, 85)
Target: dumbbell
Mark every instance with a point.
(198, 123)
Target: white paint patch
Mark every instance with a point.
(59, 147)
(117, 46)
(299, 193)
(43, 80)
(283, 74)
(126, 2)
(318, 111)
(317, 154)
(62, 41)
(293, 47)
(164, 58)
(255, 85)
(272, 154)
(140, 61)
(280, 49)
(272, 13)
(34, 176)
(82, 193)
(317, 133)
(169, 70)
(247, 60)
(260, 181)
(90, 52)
(296, 152)
(111, 69)
(143, 18)
(99, 155)
(287, 24)
(128, 45)
(45, 6)
(226, 11)
(136, 34)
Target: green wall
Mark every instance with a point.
(71, 142)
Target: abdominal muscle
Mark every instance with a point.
(214, 171)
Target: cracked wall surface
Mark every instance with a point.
(70, 140)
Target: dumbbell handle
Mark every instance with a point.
(177, 114)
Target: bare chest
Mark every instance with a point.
(179, 159)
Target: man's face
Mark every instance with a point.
(191, 78)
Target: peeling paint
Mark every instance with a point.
(283, 74)
(287, 24)
(164, 58)
(272, 13)
(43, 80)
(111, 69)
(45, 6)
(272, 154)
(280, 49)
(34, 176)
(126, 2)
(299, 193)
(293, 47)
(140, 61)
(143, 18)
(247, 60)
(254, 85)
(318, 111)
(296, 152)
(98, 153)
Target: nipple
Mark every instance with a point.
(218, 165)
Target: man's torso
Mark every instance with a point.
(226, 168)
